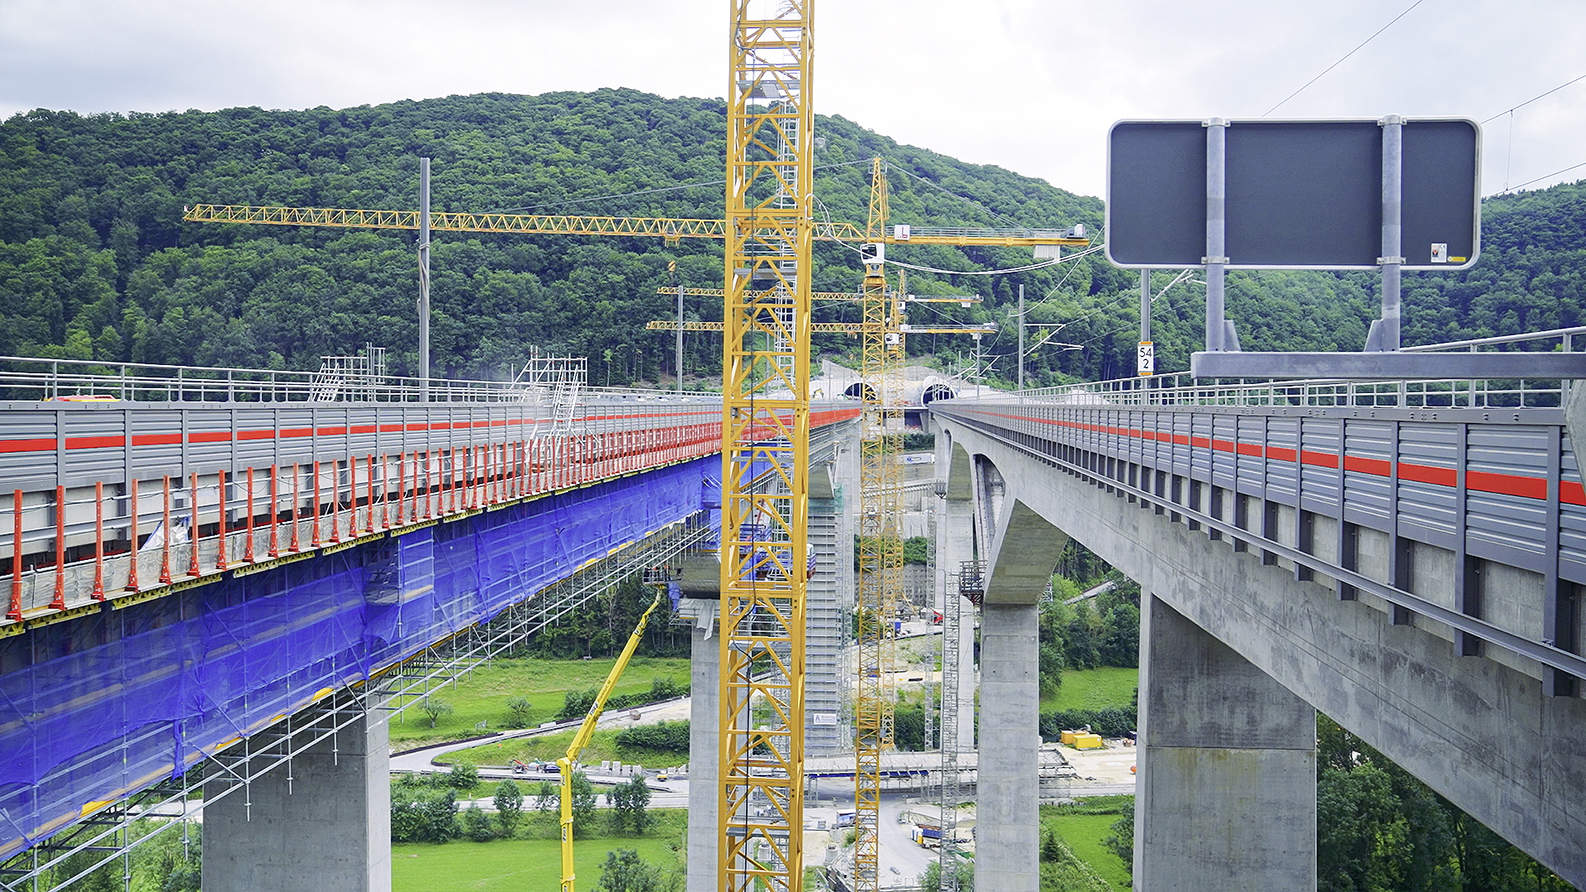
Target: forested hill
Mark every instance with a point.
(95, 262)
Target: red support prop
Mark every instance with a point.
(14, 612)
(247, 547)
(165, 535)
(99, 541)
(223, 553)
(192, 532)
(275, 512)
(132, 565)
(59, 602)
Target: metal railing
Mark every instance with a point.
(28, 378)
(1181, 389)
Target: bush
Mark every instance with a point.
(664, 736)
(420, 814)
(520, 713)
(476, 825)
(463, 776)
(1110, 721)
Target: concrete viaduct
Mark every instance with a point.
(1409, 570)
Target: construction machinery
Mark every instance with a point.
(587, 730)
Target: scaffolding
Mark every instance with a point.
(971, 585)
(553, 383)
(349, 378)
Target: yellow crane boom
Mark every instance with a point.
(669, 228)
(587, 730)
(827, 327)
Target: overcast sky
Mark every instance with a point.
(1030, 85)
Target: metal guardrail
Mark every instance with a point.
(1181, 389)
(32, 379)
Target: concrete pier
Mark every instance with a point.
(703, 771)
(322, 822)
(1007, 830)
(1227, 784)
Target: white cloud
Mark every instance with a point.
(1027, 85)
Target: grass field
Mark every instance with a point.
(525, 865)
(1083, 827)
(1093, 689)
(482, 695)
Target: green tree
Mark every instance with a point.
(509, 807)
(476, 825)
(547, 798)
(520, 712)
(463, 776)
(629, 806)
(625, 871)
(435, 708)
(585, 804)
(1121, 841)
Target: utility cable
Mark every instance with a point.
(1539, 179)
(1533, 99)
(1341, 61)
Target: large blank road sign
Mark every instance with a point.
(1299, 194)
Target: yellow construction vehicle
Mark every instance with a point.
(586, 731)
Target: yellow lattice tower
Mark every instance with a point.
(765, 446)
(880, 546)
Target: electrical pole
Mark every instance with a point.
(1021, 336)
(424, 279)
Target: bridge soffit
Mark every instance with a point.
(960, 468)
(1026, 550)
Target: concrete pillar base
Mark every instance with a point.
(704, 718)
(322, 822)
(1227, 786)
(1007, 828)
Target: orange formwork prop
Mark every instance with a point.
(132, 566)
(99, 541)
(14, 612)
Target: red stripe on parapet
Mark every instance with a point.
(1428, 474)
(1376, 466)
(93, 442)
(1319, 459)
(1480, 481)
(1506, 484)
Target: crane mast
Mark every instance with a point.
(765, 446)
(880, 546)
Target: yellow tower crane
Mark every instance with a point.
(880, 545)
(765, 447)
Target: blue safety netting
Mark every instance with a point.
(103, 706)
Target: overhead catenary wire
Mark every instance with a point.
(1341, 60)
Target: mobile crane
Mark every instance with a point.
(564, 765)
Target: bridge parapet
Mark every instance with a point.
(111, 498)
(1270, 523)
(1388, 490)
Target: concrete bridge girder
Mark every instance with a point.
(1477, 729)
